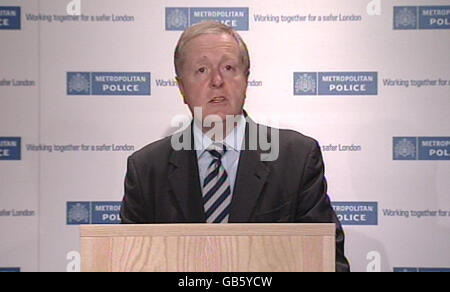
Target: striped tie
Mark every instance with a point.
(216, 188)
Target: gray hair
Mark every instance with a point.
(208, 27)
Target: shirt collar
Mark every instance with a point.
(233, 141)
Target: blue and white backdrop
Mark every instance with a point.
(83, 84)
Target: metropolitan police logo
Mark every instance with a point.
(78, 213)
(109, 83)
(404, 149)
(10, 17)
(180, 18)
(305, 84)
(78, 84)
(176, 18)
(405, 18)
(10, 270)
(10, 148)
(356, 213)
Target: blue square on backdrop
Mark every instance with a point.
(305, 83)
(78, 83)
(78, 213)
(177, 18)
(405, 17)
(405, 148)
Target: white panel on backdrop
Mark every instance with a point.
(19, 124)
(83, 84)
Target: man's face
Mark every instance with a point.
(213, 76)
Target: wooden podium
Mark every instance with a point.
(208, 248)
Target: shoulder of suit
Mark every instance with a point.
(298, 137)
(155, 150)
(293, 138)
(289, 139)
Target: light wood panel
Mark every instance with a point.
(208, 247)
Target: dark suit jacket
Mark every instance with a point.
(163, 186)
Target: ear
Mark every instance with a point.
(181, 88)
(247, 75)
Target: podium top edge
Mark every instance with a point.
(203, 229)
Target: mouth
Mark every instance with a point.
(217, 99)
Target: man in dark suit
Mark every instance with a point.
(217, 171)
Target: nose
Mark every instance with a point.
(216, 79)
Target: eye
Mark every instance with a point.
(228, 67)
(201, 70)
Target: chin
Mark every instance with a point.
(221, 114)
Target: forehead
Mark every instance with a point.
(208, 45)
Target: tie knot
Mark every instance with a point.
(217, 150)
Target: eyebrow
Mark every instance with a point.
(224, 58)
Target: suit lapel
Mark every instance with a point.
(184, 180)
(250, 178)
